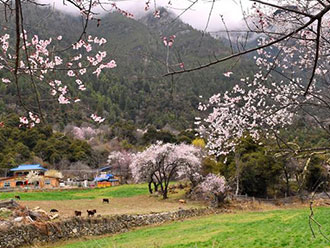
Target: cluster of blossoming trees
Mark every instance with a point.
(292, 78)
(292, 60)
(161, 163)
(291, 82)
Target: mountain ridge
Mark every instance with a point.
(136, 90)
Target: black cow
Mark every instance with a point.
(91, 212)
(17, 197)
(53, 210)
(106, 200)
(77, 213)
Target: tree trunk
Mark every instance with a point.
(219, 200)
(156, 186)
(286, 174)
(165, 194)
(165, 189)
(149, 186)
(238, 171)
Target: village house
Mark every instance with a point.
(106, 179)
(19, 178)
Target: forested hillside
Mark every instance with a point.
(136, 89)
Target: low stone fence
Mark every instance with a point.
(41, 233)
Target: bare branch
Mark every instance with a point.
(316, 54)
(283, 8)
(312, 20)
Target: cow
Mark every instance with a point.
(106, 200)
(53, 210)
(77, 213)
(91, 212)
(17, 197)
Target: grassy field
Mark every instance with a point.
(112, 192)
(279, 228)
(124, 199)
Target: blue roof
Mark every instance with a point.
(23, 167)
(102, 178)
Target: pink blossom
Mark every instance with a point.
(228, 74)
(5, 80)
(111, 64)
(156, 14)
(23, 120)
(97, 118)
(165, 41)
(82, 87)
(63, 100)
(88, 48)
(58, 60)
(71, 73)
(82, 71)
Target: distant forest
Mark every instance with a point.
(136, 89)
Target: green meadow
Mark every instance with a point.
(279, 228)
(117, 191)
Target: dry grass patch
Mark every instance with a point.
(128, 205)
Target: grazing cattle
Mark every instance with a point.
(91, 212)
(17, 197)
(53, 210)
(77, 213)
(106, 200)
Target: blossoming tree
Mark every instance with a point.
(44, 64)
(216, 186)
(161, 163)
(292, 77)
(120, 162)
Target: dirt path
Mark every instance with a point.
(130, 205)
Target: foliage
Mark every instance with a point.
(21, 145)
(210, 165)
(257, 169)
(199, 142)
(152, 135)
(316, 174)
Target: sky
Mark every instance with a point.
(197, 16)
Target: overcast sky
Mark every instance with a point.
(197, 16)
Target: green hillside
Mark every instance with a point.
(136, 90)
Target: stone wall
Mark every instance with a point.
(38, 233)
